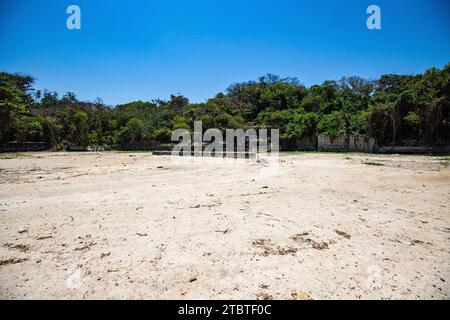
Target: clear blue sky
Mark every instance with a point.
(145, 49)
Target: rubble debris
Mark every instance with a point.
(44, 237)
(263, 296)
(223, 231)
(86, 246)
(405, 242)
(301, 296)
(319, 246)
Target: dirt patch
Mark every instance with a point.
(302, 237)
(20, 247)
(268, 248)
(12, 261)
(343, 234)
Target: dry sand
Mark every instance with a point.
(118, 225)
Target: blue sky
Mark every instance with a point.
(144, 49)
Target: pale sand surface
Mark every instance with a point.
(119, 225)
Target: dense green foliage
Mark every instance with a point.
(396, 109)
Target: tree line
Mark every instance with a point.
(394, 110)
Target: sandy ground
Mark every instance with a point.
(119, 225)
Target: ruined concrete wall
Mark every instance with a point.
(145, 145)
(303, 144)
(345, 144)
(22, 146)
(414, 150)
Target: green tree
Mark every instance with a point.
(134, 131)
